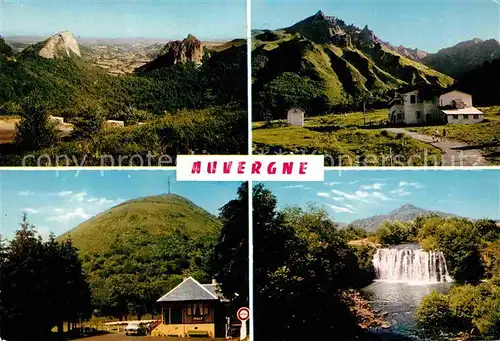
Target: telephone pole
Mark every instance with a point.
(168, 185)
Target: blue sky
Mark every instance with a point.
(428, 25)
(60, 201)
(351, 195)
(166, 19)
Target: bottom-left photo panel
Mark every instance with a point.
(107, 255)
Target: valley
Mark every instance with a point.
(151, 90)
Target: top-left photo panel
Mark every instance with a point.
(121, 83)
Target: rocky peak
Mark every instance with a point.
(175, 52)
(367, 35)
(62, 44)
(188, 50)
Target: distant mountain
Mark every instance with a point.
(62, 44)
(404, 213)
(177, 52)
(455, 61)
(414, 54)
(321, 63)
(483, 83)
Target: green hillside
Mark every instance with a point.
(183, 106)
(135, 252)
(322, 64)
(142, 220)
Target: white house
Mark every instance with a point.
(425, 105)
(457, 106)
(295, 117)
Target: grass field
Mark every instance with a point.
(345, 139)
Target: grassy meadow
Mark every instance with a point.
(343, 137)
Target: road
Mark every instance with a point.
(123, 337)
(455, 153)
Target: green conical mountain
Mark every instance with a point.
(137, 251)
(141, 223)
(321, 64)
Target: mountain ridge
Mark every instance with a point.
(406, 212)
(322, 64)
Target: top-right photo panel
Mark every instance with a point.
(386, 83)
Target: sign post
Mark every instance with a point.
(243, 315)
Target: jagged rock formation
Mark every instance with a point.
(177, 52)
(464, 56)
(62, 44)
(5, 49)
(414, 54)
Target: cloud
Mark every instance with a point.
(323, 194)
(409, 184)
(80, 196)
(65, 215)
(400, 191)
(357, 196)
(62, 194)
(100, 201)
(339, 209)
(30, 210)
(25, 193)
(375, 186)
(296, 187)
(333, 183)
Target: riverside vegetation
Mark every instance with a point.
(472, 252)
(184, 107)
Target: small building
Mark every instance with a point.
(114, 123)
(193, 309)
(425, 104)
(56, 119)
(295, 117)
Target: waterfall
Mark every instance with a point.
(409, 264)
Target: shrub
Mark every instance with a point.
(35, 131)
(433, 313)
(89, 123)
(464, 300)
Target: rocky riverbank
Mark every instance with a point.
(367, 317)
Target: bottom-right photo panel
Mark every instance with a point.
(378, 255)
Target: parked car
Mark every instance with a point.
(135, 328)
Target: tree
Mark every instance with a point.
(229, 261)
(303, 265)
(35, 131)
(42, 282)
(89, 123)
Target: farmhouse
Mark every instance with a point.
(420, 105)
(193, 309)
(295, 117)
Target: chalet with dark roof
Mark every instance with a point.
(193, 309)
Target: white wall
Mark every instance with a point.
(295, 117)
(447, 98)
(461, 120)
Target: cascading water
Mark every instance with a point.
(410, 264)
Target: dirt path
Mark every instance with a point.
(455, 153)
